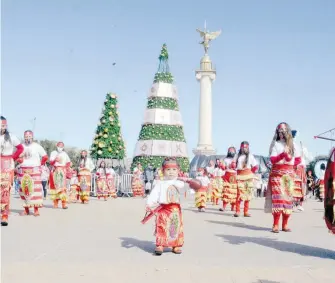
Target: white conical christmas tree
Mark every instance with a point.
(162, 133)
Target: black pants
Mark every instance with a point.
(259, 192)
(44, 185)
(148, 191)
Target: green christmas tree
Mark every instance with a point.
(108, 142)
(162, 133)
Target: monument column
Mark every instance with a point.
(205, 75)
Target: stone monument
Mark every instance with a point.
(205, 75)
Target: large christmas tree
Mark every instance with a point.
(162, 133)
(108, 142)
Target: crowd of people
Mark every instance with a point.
(33, 173)
(233, 181)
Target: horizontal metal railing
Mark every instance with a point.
(122, 185)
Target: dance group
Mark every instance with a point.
(29, 157)
(236, 176)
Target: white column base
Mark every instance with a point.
(204, 150)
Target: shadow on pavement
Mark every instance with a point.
(210, 211)
(300, 249)
(17, 211)
(129, 243)
(240, 225)
(266, 281)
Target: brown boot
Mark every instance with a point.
(276, 218)
(285, 222)
(56, 203)
(64, 206)
(159, 250)
(36, 212)
(25, 212)
(246, 209)
(176, 250)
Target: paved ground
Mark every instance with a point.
(105, 242)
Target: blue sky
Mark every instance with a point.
(275, 62)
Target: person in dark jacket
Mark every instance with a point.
(148, 178)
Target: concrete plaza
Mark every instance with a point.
(105, 242)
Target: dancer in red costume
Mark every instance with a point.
(85, 169)
(246, 165)
(300, 181)
(137, 183)
(29, 172)
(320, 183)
(105, 181)
(201, 194)
(74, 187)
(11, 148)
(164, 202)
(216, 172)
(284, 157)
(229, 193)
(329, 201)
(61, 163)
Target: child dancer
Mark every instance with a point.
(164, 203)
(74, 187)
(201, 194)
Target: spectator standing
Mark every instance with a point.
(45, 178)
(148, 178)
(258, 184)
(310, 183)
(264, 186)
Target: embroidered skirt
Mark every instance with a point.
(84, 177)
(229, 192)
(217, 186)
(137, 187)
(102, 188)
(74, 191)
(58, 188)
(6, 181)
(201, 197)
(169, 226)
(299, 183)
(280, 189)
(111, 186)
(31, 186)
(245, 185)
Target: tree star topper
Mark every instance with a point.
(207, 37)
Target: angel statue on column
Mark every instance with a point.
(207, 37)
